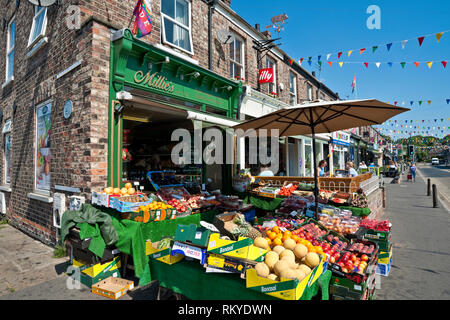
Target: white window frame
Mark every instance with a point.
(37, 12)
(36, 190)
(309, 92)
(6, 132)
(292, 94)
(274, 66)
(10, 50)
(240, 64)
(165, 16)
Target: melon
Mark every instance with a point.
(116, 191)
(300, 251)
(299, 274)
(278, 249)
(312, 260)
(289, 244)
(291, 261)
(287, 253)
(260, 242)
(304, 268)
(262, 269)
(271, 258)
(288, 273)
(280, 266)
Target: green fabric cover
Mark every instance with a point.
(190, 279)
(265, 203)
(359, 212)
(94, 224)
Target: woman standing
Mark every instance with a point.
(321, 169)
(351, 170)
(413, 169)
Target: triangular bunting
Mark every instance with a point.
(411, 102)
(403, 64)
(404, 42)
(416, 64)
(340, 64)
(361, 51)
(420, 103)
(366, 64)
(444, 63)
(421, 40)
(378, 64)
(430, 64)
(448, 101)
(439, 36)
(390, 64)
(320, 63)
(350, 53)
(301, 60)
(328, 56)
(374, 48)
(339, 55)
(429, 101)
(318, 58)
(389, 45)
(330, 63)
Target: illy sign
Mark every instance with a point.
(266, 75)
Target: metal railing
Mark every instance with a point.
(370, 185)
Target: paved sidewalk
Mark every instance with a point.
(421, 251)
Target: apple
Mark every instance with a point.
(364, 257)
(332, 259)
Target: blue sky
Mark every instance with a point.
(318, 28)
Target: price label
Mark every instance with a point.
(136, 184)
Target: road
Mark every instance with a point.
(439, 175)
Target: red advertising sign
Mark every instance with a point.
(266, 75)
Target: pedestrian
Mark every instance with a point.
(321, 169)
(413, 169)
(351, 170)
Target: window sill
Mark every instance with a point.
(36, 47)
(40, 197)
(5, 188)
(184, 55)
(8, 82)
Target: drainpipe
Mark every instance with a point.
(211, 7)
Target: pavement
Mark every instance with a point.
(421, 254)
(440, 176)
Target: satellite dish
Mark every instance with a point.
(224, 36)
(42, 3)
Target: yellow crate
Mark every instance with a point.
(387, 259)
(285, 289)
(163, 254)
(96, 269)
(242, 249)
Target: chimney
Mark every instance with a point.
(257, 27)
(313, 74)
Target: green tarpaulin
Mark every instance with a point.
(264, 203)
(359, 212)
(189, 278)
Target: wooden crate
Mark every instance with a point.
(112, 287)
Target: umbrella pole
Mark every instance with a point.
(316, 185)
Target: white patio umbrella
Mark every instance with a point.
(323, 117)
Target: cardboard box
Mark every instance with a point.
(243, 248)
(102, 199)
(384, 269)
(226, 264)
(385, 257)
(122, 206)
(91, 274)
(151, 215)
(285, 289)
(163, 255)
(113, 288)
(189, 251)
(192, 234)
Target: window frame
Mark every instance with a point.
(309, 92)
(10, 50)
(165, 16)
(37, 107)
(274, 67)
(293, 94)
(7, 131)
(32, 42)
(240, 64)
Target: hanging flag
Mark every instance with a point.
(420, 103)
(320, 63)
(340, 64)
(403, 64)
(309, 60)
(366, 64)
(411, 102)
(378, 64)
(301, 60)
(350, 53)
(444, 63)
(421, 40)
(291, 61)
(430, 64)
(404, 42)
(448, 101)
(389, 45)
(328, 56)
(416, 64)
(429, 102)
(339, 55)
(143, 22)
(330, 63)
(438, 36)
(390, 64)
(361, 51)
(395, 102)
(318, 58)
(354, 84)
(374, 48)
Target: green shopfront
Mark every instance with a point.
(152, 94)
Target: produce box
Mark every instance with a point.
(113, 288)
(384, 269)
(224, 223)
(102, 199)
(369, 248)
(163, 179)
(227, 264)
(150, 215)
(123, 206)
(243, 248)
(382, 238)
(163, 254)
(93, 273)
(189, 251)
(345, 289)
(285, 289)
(343, 271)
(192, 234)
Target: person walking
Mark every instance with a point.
(413, 169)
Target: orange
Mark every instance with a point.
(276, 229)
(287, 233)
(295, 237)
(284, 238)
(279, 235)
(269, 241)
(268, 232)
(277, 242)
(272, 235)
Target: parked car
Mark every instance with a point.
(434, 161)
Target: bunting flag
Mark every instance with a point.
(339, 55)
(429, 102)
(439, 36)
(416, 64)
(301, 60)
(390, 64)
(421, 40)
(378, 64)
(389, 45)
(444, 63)
(350, 53)
(366, 64)
(291, 61)
(404, 42)
(430, 63)
(448, 101)
(143, 22)
(340, 64)
(318, 58)
(328, 56)
(330, 63)
(403, 64)
(374, 48)
(361, 51)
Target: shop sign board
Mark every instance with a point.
(340, 138)
(266, 75)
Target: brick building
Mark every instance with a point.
(61, 77)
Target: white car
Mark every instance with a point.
(435, 161)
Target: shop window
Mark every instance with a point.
(39, 25)
(7, 152)
(308, 159)
(272, 87)
(43, 155)
(176, 18)
(10, 45)
(292, 89)
(237, 58)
